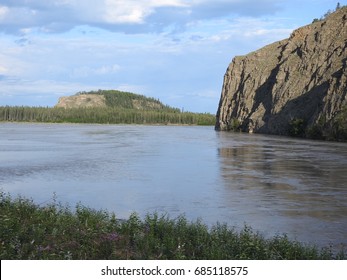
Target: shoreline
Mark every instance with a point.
(120, 124)
(31, 231)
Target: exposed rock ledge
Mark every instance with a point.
(82, 100)
(303, 77)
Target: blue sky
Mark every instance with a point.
(173, 50)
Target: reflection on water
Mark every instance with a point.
(286, 183)
(275, 184)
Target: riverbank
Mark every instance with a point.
(30, 231)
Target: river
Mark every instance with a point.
(274, 184)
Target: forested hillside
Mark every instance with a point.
(114, 99)
(121, 108)
(128, 100)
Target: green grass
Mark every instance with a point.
(30, 231)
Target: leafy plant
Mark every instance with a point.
(234, 125)
(297, 127)
(29, 231)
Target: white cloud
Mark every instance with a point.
(161, 48)
(129, 16)
(133, 11)
(132, 88)
(12, 64)
(43, 92)
(87, 71)
(232, 33)
(17, 91)
(18, 87)
(3, 70)
(3, 12)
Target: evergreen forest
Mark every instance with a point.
(121, 108)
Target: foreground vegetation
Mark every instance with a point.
(120, 108)
(29, 231)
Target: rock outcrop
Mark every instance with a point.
(302, 78)
(82, 101)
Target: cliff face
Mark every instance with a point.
(301, 78)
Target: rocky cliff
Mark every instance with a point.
(294, 86)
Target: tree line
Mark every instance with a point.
(108, 115)
(329, 12)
